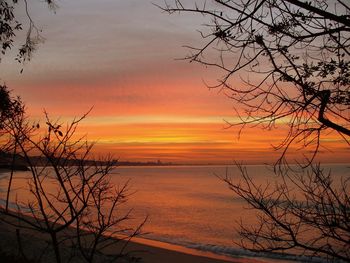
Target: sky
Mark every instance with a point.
(123, 60)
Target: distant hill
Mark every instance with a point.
(20, 163)
(7, 161)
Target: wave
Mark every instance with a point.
(239, 252)
(231, 252)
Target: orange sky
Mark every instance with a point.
(119, 58)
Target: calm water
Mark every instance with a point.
(184, 204)
(190, 205)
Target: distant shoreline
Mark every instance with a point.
(16, 167)
(19, 167)
(132, 164)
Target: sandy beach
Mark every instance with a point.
(159, 252)
(146, 251)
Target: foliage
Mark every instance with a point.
(10, 26)
(9, 107)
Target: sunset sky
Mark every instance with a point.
(120, 57)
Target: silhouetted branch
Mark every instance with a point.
(303, 212)
(298, 53)
(69, 197)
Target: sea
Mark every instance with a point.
(191, 206)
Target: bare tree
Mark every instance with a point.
(285, 62)
(291, 56)
(304, 213)
(69, 197)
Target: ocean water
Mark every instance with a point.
(191, 206)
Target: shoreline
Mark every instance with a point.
(153, 251)
(182, 249)
(159, 252)
(209, 255)
(149, 251)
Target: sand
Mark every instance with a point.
(159, 252)
(147, 251)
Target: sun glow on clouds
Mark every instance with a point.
(184, 139)
(118, 57)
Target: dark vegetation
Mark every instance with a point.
(285, 63)
(18, 162)
(68, 200)
(10, 258)
(10, 26)
(299, 54)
